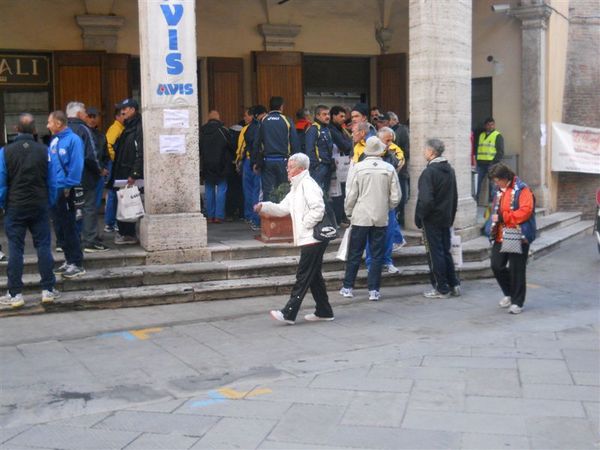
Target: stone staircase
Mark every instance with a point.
(248, 268)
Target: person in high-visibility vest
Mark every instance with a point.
(490, 150)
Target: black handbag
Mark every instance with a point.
(326, 229)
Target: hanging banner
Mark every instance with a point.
(575, 149)
(172, 36)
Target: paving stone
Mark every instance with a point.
(438, 395)
(272, 445)
(586, 378)
(479, 441)
(493, 382)
(562, 392)
(150, 441)
(561, 433)
(166, 406)
(359, 381)
(85, 421)
(248, 408)
(374, 409)
(463, 422)
(544, 371)
(236, 433)
(473, 362)
(61, 437)
(315, 396)
(149, 422)
(582, 360)
(511, 352)
(593, 414)
(309, 424)
(419, 373)
(8, 433)
(524, 407)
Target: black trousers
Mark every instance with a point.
(441, 265)
(512, 279)
(308, 276)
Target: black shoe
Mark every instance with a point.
(95, 248)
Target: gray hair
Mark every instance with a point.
(74, 108)
(300, 160)
(393, 116)
(383, 131)
(436, 145)
(362, 126)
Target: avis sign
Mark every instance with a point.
(172, 41)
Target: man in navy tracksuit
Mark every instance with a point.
(319, 148)
(276, 140)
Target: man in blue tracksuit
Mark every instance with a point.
(319, 148)
(276, 141)
(68, 149)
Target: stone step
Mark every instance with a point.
(222, 289)
(149, 275)
(551, 240)
(557, 220)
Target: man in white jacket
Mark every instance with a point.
(372, 190)
(306, 206)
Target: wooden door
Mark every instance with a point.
(226, 88)
(279, 74)
(78, 77)
(392, 84)
(118, 84)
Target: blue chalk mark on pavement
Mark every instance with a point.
(215, 397)
(124, 334)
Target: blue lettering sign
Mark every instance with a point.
(174, 89)
(173, 15)
(174, 64)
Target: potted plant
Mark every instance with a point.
(277, 229)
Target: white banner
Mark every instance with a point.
(172, 38)
(575, 149)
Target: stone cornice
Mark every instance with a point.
(279, 37)
(100, 32)
(534, 16)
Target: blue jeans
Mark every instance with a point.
(322, 175)
(216, 194)
(16, 223)
(273, 174)
(110, 210)
(393, 235)
(441, 265)
(66, 229)
(251, 186)
(358, 242)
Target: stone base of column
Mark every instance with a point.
(174, 238)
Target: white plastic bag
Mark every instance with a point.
(129, 204)
(456, 249)
(342, 253)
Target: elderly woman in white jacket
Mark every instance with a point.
(305, 205)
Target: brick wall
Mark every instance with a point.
(577, 191)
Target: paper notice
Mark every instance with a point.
(172, 143)
(176, 118)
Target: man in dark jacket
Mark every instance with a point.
(129, 161)
(90, 239)
(27, 189)
(319, 148)
(402, 141)
(435, 212)
(215, 164)
(277, 140)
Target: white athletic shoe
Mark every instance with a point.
(505, 302)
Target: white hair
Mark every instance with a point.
(393, 116)
(300, 160)
(384, 131)
(74, 108)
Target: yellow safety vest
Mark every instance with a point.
(486, 149)
(239, 154)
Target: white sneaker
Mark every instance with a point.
(434, 293)
(278, 315)
(397, 247)
(346, 292)
(392, 268)
(315, 318)
(455, 291)
(505, 302)
(515, 309)
(374, 296)
(2, 256)
(50, 296)
(10, 302)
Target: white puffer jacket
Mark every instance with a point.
(304, 203)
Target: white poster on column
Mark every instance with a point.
(172, 35)
(575, 149)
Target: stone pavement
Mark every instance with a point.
(406, 372)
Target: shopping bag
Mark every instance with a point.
(129, 204)
(511, 241)
(342, 253)
(456, 249)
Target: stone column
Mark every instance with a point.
(173, 229)
(440, 95)
(533, 165)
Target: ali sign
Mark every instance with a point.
(24, 70)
